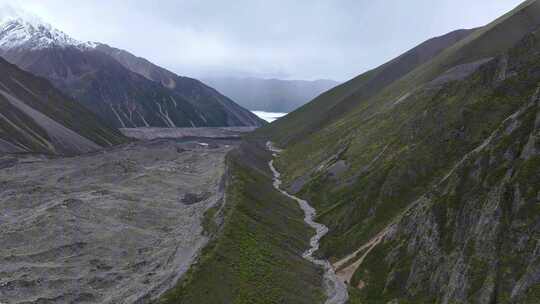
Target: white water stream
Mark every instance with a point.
(336, 290)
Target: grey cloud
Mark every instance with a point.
(295, 39)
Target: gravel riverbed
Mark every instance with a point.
(116, 226)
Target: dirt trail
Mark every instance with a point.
(335, 288)
(345, 273)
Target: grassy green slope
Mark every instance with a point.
(404, 74)
(363, 167)
(474, 237)
(395, 151)
(334, 103)
(423, 138)
(256, 256)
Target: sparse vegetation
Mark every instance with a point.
(399, 152)
(256, 257)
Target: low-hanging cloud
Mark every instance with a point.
(302, 39)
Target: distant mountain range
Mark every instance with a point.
(270, 95)
(36, 117)
(124, 90)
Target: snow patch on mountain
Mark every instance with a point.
(21, 29)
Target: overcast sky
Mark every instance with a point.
(294, 39)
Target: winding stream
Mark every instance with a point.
(336, 290)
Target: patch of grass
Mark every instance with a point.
(375, 273)
(533, 295)
(209, 223)
(355, 297)
(529, 177)
(477, 275)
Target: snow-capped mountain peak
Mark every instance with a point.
(19, 32)
(20, 29)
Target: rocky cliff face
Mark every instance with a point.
(475, 237)
(214, 106)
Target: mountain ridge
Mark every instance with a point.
(335, 102)
(123, 94)
(37, 118)
(375, 158)
(189, 88)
